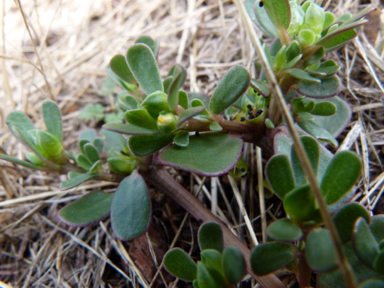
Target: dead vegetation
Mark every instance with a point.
(59, 50)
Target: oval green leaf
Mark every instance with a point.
(177, 262)
(364, 242)
(141, 118)
(211, 237)
(143, 145)
(284, 230)
(119, 66)
(52, 119)
(328, 87)
(279, 11)
(88, 210)
(76, 181)
(233, 264)
(233, 84)
(131, 208)
(280, 175)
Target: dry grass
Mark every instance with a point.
(62, 56)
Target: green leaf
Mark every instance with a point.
(213, 259)
(319, 250)
(141, 118)
(211, 237)
(88, 210)
(373, 283)
(119, 66)
(261, 18)
(201, 96)
(99, 143)
(268, 257)
(129, 129)
(122, 164)
(233, 265)
(179, 75)
(317, 132)
(261, 87)
(91, 152)
(50, 146)
(52, 119)
(324, 109)
(299, 204)
(76, 181)
(279, 12)
(307, 36)
(214, 126)
(376, 227)
(293, 50)
(378, 264)
(131, 208)
(284, 230)
(233, 84)
(89, 134)
(345, 218)
(128, 102)
(142, 63)
(341, 39)
(154, 45)
(200, 156)
(364, 242)
(205, 279)
(302, 75)
(280, 58)
(327, 88)
(143, 145)
(280, 175)
(182, 138)
(156, 103)
(19, 162)
(113, 140)
(340, 176)
(20, 124)
(177, 262)
(83, 162)
(293, 62)
(183, 99)
(188, 114)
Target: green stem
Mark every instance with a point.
(162, 180)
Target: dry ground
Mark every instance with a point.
(63, 56)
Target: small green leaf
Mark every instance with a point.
(129, 129)
(279, 12)
(280, 58)
(293, 62)
(188, 114)
(233, 264)
(329, 18)
(211, 237)
(99, 143)
(284, 230)
(201, 96)
(268, 257)
(154, 45)
(200, 156)
(141, 118)
(233, 84)
(378, 264)
(183, 99)
(377, 224)
(327, 88)
(92, 111)
(205, 279)
(340, 176)
(89, 134)
(52, 119)
(293, 50)
(142, 63)
(213, 259)
(76, 181)
(307, 36)
(318, 132)
(261, 18)
(314, 18)
(214, 126)
(19, 162)
(345, 218)
(280, 175)
(128, 102)
(143, 145)
(319, 250)
(177, 262)
(324, 109)
(122, 164)
(91, 152)
(50, 146)
(119, 66)
(299, 204)
(182, 138)
(269, 123)
(131, 208)
(261, 87)
(83, 162)
(302, 75)
(156, 103)
(20, 124)
(178, 79)
(364, 242)
(374, 283)
(88, 210)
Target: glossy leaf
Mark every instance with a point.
(88, 210)
(142, 63)
(268, 257)
(188, 114)
(345, 218)
(284, 230)
(233, 265)
(156, 103)
(141, 118)
(143, 145)
(279, 12)
(200, 156)
(280, 175)
(52, 119)
(76, 181)
(129, 129)
(154, 45)
(178, 79)
(319, 250)
(261, 87)
(364, 242)
(233, 84)
(340, 176)
(182, 138)
(211, 237)
(317, 131)
(302, 75)
(119, 66)
(327, 88)
(180, 264)
(131, 208)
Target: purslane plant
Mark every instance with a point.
(205, 135)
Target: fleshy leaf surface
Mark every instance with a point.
(87, 210)
(327, 88)
(233, 264)
(143, 145)
(180, 264)
(211, 237)
(279, 12)
(200, 156)
(73, 182)
(129, 129)
(280, 175)
(284, 230)
(52, 119)
(364, 242)
(131, 208)
(120, 67)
